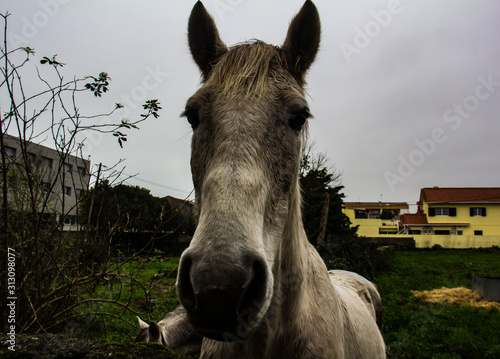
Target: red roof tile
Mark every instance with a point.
(413, 218)
(460, 195)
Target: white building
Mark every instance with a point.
(58, 180)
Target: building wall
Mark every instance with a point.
(489, 224)
(450, 241)
(454, 241)
(72, 180)
(371, 227)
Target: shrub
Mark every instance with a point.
(352, 254)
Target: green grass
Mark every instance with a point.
(412, 328)
(151, 294)
(417, 329)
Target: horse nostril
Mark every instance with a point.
(256, 290)
(226, 296)
(184, 286)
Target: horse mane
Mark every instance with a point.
(245, 68)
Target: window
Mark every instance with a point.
(82, 171)
(443, 211)
(414, 231)
(47, 162)
(79, 192)
(360, 213)
(460, 233)
(442, 232)
(11, 152)
(32, 158)
(478, 211)
(67, 191)
(67, 168)
(478, 233)
(69, 220)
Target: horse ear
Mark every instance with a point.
(154, 332)
(204, 41)
(302, 40)
(142, 324)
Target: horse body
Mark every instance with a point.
(250, 282)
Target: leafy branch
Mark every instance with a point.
(56, 270)
(100, 84)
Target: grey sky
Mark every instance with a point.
(405, 94)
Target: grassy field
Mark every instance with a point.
(414, 328)
(150, 295)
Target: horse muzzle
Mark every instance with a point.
(224, 296)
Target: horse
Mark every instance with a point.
(250, 282)
(173, 331)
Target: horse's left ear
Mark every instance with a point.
(204, 40)
(142, 324)
(302, 40)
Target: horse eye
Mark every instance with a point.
(298, 119)
(192, 117)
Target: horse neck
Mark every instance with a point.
(293, 253)
(298, 269)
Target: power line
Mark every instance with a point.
(155, 184)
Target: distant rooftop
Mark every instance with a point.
(413, 218)
(375, 205)
(460, 195)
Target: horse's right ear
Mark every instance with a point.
(204, 41)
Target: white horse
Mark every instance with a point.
(251, 283)
(173, 331)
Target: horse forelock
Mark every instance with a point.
(246, 69)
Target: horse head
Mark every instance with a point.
(248, 120)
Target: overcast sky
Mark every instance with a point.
(405, 94)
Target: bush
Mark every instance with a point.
(352, 254)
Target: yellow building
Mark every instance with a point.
(375, 219)
(449, 217)
(455, 218)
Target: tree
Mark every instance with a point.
(323, 201)
(53, 268)
(328, 228)
(131, 209)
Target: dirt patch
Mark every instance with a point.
(61, 347)
(455, 296)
